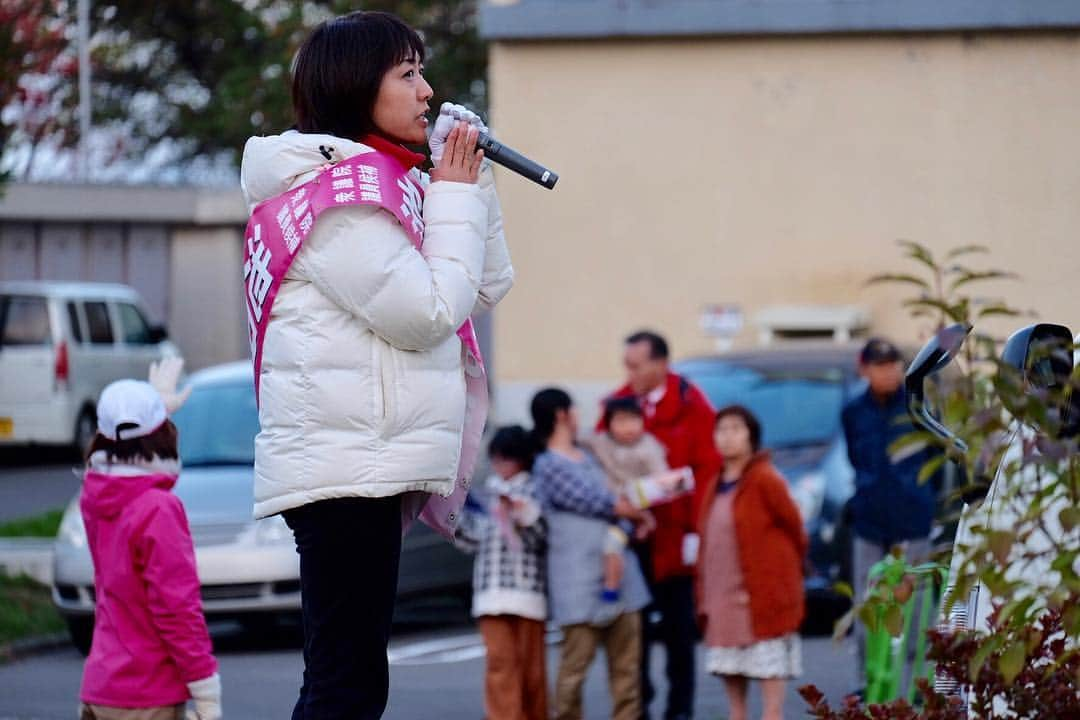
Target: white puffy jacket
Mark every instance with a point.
(362, 392)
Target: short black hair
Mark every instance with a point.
(628, 405)
(513, 443)
(544, 408)
(339, 68)
(751, 421)
(658, 347)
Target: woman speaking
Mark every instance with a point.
(361, 274)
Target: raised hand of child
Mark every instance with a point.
(164, 376)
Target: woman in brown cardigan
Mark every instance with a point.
(750, 581)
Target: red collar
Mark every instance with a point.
(403, 155)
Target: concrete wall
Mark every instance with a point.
(136, 255)
(206, 307)
(774, 170)
(179, 247)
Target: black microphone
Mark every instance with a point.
(513, 160)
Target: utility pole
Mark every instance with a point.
(83, 162)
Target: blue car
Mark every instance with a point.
(798, 393)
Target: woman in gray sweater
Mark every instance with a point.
(579, 508)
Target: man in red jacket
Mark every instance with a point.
(681, 418)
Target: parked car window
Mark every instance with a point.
(25, 321)
(73, 321)
(97, 323)
(135, 329)
(795, 409)
(218, 425)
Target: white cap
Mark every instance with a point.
(130, 402)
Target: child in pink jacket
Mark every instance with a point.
(151, 650)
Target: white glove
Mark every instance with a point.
(691, 543)
(164, 376)
(206, 696)
(449, 116)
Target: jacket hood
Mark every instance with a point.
(272, 164)
(109, 487)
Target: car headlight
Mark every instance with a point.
(72, 530)
(272, 531)
(809, 494)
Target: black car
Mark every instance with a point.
(798, 393)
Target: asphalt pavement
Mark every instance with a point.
(435, 673)
(35, 480)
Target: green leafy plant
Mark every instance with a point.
(1037, 679)
(1023, 544)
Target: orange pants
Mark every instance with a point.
(515, 686)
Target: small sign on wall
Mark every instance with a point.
(723, 322)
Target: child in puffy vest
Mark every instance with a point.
(510, 580)
(636, 466)
(151, 650)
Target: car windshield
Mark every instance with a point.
(218, 425)
(796, 408)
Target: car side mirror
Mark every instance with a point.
(1043, 356)
(158, 333)
(935, 355)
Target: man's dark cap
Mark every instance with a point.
(879, 350)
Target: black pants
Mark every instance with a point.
(673, 599)
(349, 551)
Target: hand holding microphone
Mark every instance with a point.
(450, 114)
(459, 160)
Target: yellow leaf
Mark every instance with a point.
(1070, 518)
(840, 629)
(930, 467)
(1000, 543)
(869, 617)
(894, 620)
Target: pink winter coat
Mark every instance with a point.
(150, 636)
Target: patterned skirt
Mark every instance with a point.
(776, 658)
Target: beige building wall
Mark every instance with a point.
(769, 171)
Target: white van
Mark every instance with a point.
(60, 345)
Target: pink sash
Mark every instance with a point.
(276, 231)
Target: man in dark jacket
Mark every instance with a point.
(681, 418)
(890, 506)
